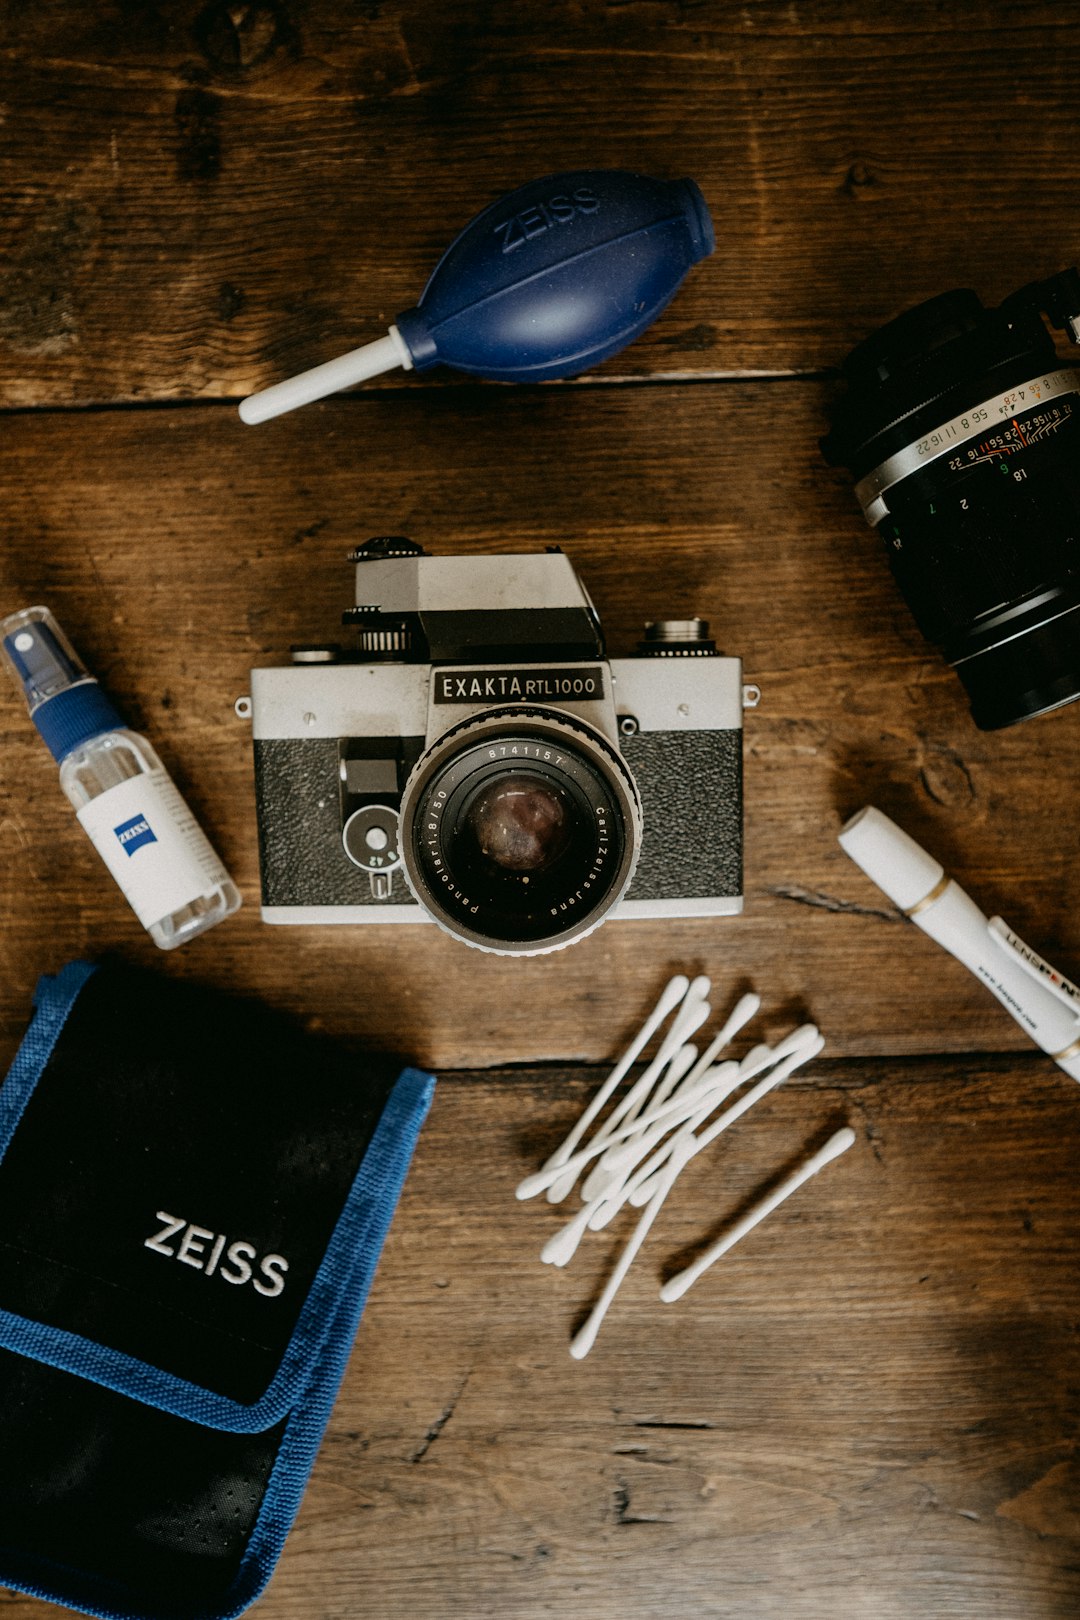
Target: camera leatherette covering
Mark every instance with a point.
(691, 809)
(691, 793)
(193, 1197)
(300, 853)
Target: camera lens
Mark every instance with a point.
(962, 429)
(520, 824)
(520, 830)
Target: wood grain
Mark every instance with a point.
(867, 1409)
(204, 198)
(177, 561)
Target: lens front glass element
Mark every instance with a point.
(520, 837)
(521, 825)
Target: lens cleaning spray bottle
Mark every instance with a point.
(128, 805)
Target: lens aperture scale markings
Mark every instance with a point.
(960, 429)
(1009, 443)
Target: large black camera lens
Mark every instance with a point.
(962, 429)
(520, 830)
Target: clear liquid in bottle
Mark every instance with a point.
(124, 798)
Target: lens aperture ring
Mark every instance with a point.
(959, 430)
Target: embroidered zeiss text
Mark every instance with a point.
(213, 1254)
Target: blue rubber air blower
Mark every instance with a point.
(546, 282)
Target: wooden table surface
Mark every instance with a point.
(870, 1411)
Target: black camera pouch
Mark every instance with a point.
(193, 1196)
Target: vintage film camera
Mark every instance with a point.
(480, 762)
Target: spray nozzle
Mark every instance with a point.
(546, 282)
(66, 704)
(40, 656)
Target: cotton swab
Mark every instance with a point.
(659, 1122)
(775, 1077)
(560, 1248)
(600, 1210)
(741, 1014)
(605, 1207)
(691, 1015)
(677, 1285)
(757, 1059)
(681, 1065)
(744, 1009)
(585, 1338)
(670, 1086)
(638, 1180)
(683, 1150)
(670, 997)
(688, 1020)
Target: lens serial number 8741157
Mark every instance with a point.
(526, 751)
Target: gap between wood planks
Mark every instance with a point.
(667, 379)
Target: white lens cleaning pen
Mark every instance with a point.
(1044, 1003)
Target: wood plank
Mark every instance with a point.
(177, 561)
(202, 201)
(866, 1409)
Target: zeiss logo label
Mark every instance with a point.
(134, 833)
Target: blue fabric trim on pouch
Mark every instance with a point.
(54, 998)
(304, 1387)
(341, 1267)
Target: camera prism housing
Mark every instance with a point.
(479, 762)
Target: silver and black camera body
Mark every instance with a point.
(480, 762)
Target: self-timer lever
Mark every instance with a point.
(548, 281)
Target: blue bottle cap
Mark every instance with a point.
(66, 704)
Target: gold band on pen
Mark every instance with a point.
(928, 899)
(1069, 1052)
